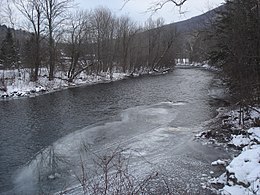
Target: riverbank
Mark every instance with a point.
(237, 129)
(16, 83)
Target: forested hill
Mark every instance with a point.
(19, 34)
(197, 22)
(189, 38)
(194, 23)
(3, 30)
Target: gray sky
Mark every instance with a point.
(137, 9)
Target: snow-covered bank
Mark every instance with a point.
(199, 65)
(16, 83)
(242, 175)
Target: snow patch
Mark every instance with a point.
(242, 176)
(255, 133)
(235, 190)
(239, 140)
(219, 162)
(246, 166)
(204, 65)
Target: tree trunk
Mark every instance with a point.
(52, 56)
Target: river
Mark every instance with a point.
(155, 115)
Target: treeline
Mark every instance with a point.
(236, 50)
(93, 41)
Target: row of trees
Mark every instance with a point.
(93, 41)
(43, 18)
(110, 42)
(237, 48)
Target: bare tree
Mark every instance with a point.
(125, 34)
(159, 4)
(102, 22)
(1, 12)
(33, 12)
(54, 12)
(77, 38)
(154, 31)
(111, 174)
(9, 14)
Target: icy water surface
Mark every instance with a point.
(155, 116)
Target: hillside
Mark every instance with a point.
(194, 23)
(197, 22)
(20, 34)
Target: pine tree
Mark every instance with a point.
(8, 54)
(237, 39)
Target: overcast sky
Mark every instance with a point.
(137, 9)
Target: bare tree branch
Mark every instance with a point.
(159, 4)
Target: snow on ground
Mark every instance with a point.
(255, 134)
(236, 190)
(219, 162)
(204, 65)
(242, 176)
(239, 140)
(17, 83)
(246, 166)
(242, 173)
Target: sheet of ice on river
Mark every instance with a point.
(145, 125)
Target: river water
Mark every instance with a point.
(154, 115)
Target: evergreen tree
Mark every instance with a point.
(8, 54)
(236, 48)
(30, 56)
